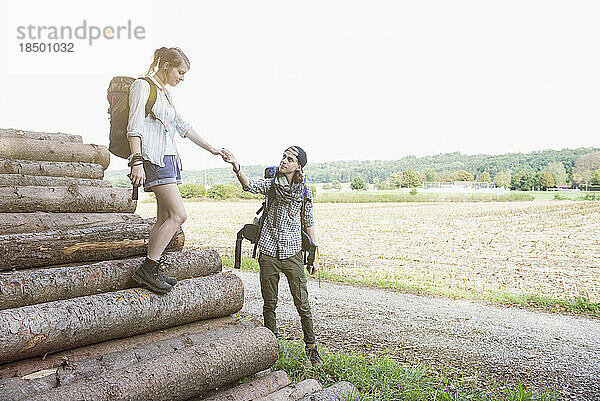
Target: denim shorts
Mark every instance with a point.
(156, 175)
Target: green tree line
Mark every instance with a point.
(533, 170)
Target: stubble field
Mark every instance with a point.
(549, 248)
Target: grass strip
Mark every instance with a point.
(382, 378)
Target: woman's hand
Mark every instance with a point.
(137, 176)
(217, 152)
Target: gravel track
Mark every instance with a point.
(546, 350)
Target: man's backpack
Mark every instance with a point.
(118, 109)
(252, 231)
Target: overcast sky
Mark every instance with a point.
(343, 79)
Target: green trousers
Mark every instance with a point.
(293, 268)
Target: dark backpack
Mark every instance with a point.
(118, 109)
(251, 232)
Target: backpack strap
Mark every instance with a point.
(265, 209)
(238, 250)
(304, 196)
(151, 98)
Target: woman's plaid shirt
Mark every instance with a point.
(281, 233)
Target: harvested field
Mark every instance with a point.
(547, 248)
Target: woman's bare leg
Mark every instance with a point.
(161, 217)
(170, 216)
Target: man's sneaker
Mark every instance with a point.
(147, 275)
(313, 356)
(161, 273)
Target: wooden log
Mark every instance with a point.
(56, 247)
(191, 371)
(293, 392)
(258, 387)
(53, 151)
(52, 169)
(16, 223)
(20, 388)
(41, 136)
(59, 325)
(73, 199)
(336, 392)
(35, 286)
(26, 367)
(20, 180)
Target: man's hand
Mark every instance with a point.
(314, 268)
(228, 157)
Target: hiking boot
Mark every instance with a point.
(313, 356)
(161, 273)
(147, 275)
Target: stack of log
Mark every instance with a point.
(73, 324)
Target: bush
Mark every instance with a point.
(326, 187)
(192, 191)
(121, 182)
(335, 184)
(357, 183)
(222, 191)
(383, 185)
(248, 195)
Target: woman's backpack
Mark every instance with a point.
(118, 109)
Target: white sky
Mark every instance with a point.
(343, 79)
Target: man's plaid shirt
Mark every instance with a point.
(281, 233)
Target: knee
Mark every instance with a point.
(303, 307)
(269, 304)
(180, 217)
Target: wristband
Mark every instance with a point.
(132, 156)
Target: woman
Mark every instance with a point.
(280, 241)
(154, 159)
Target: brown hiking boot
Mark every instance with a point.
(147, 275)
(313, 356)
(161, 273)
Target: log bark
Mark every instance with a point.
(26, 367)
(336, 392)
(20, 180)
(73, 199)
(182, 374)
(20, 388)
(41, 136)
(258, 387)
(293, 392)
(56, 247)
(17, 223)
(35, 286)
(52, 169)
(59, 325)
(53, 151)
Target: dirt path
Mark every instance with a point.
(546, 350)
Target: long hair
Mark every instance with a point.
(172, 55)
(297, 178)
